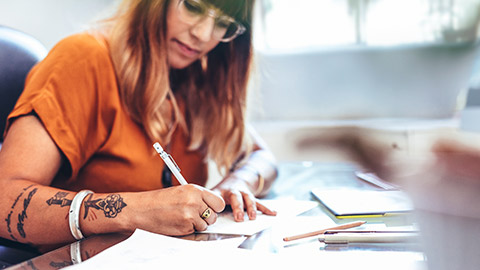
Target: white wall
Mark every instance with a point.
(51, 20)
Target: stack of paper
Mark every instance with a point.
(345, 203)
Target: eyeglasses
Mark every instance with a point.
(225, 27)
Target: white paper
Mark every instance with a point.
(302, 224)
(363, 202)
(286, 208)
(145, 250)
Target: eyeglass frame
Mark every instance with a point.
(215, 14)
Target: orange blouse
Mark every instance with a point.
(74, 92)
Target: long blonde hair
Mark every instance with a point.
(213, 89)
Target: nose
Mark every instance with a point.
(203, 30)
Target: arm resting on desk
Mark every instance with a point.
(38, 214)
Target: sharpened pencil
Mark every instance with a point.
(339, 227)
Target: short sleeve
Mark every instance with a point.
(71, 91)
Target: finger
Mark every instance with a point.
(208, 215)
(236, 202)
(200, 224)
(213, 200)
(265, 210)
(250, 205)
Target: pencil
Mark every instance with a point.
(168, 159)
(339, 227)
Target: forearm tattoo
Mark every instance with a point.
(21, 216)
(59, 265)
(60, 199)
(111, 205)
(32, 266)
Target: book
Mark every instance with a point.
(355, 203)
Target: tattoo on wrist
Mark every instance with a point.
(9, 216)
(111, 205)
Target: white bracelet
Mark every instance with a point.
(74, 213)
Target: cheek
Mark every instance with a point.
(211, 45)
(172, 23)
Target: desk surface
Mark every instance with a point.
(295, 180)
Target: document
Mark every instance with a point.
(145, 250)
(286, 208)
(347, 203)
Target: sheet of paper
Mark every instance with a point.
(302, 224)
(346, 202)
(286, 208)
(306, 224)
(145, 250)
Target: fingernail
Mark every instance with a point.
(240, 216)
(253, 215)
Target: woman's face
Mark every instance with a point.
(187, 43)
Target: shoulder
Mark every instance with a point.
(82, 42)
(74, 92)
(81, 47)
(80, 59)
(79, 67)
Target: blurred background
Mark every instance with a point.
(405, 68)
(313, 23)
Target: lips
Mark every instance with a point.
(185, 49)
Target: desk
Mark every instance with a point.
(296, 179)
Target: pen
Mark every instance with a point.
(168, 159)
(345, 238)
(340, 227)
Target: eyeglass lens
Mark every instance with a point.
(193, 11)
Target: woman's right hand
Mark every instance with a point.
(171, 211)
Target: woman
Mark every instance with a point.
(77, 158)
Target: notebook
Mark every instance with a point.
(348, 203)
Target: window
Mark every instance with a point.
(287, 24)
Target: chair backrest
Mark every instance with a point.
(18, 53)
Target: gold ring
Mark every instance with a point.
(206, 213)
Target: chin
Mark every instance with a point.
(179, 63)
(178, 66)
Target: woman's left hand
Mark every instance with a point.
(237, 193)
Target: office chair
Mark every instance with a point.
(18, 53)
